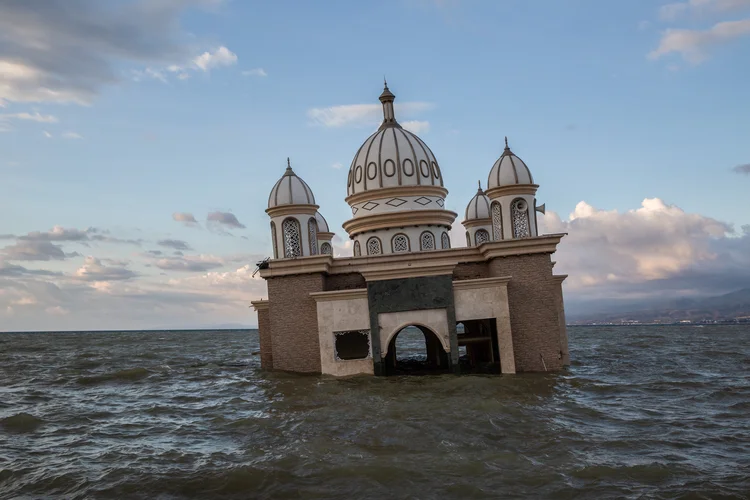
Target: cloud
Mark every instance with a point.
(67, 50)
(226, 219)
(33, 250)
(12, 270)
(93, 270)
(220, 57)
(692, 45)
(47, 134)
(59, 233)
(255, 72)
(361, 114)
(190, 263)
(648, 251)
(742, 169)
(174, 244)
(337, 165)
(187, 218)
(416, 126)
(672, 11)
(34, 117)
(71, 135)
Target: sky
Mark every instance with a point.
(139, 140)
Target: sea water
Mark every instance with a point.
(643, 412)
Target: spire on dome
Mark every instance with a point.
(387, 98)
(289, 170)
(479, 191)
(507, 148)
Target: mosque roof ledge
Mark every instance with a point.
(389, 271)
(559, 277)
(394, 191)
(260, 305)
(536, 244)
(356, 293)
(510, 189)
(298, 265)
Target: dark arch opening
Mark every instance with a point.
(416, 350)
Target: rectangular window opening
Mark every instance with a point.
(352, 344)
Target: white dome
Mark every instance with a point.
(478, 207)
(392, 157)
(509, 170)
(290, 190)
(322, 223)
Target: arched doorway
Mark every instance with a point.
(416, 350)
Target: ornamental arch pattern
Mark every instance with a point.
(292, 238)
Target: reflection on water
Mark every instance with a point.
(660, 412)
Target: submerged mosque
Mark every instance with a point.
(497, 299)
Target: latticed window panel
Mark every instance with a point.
(520, 222)
(427, 241)
(400, 243)
(312, 231)
(275, 244)
(374, 247)
(292, 238)
(497, 221)
(445, 241)
(357, 249)
(481, 236)
(325, 248)
(468, 239)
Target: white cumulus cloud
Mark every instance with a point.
(693, 45)
(362, 114)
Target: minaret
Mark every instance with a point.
(387, 98)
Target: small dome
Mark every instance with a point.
(322, 223)
(478, 207)
(391, 157)
(509, 170)
(290, 190)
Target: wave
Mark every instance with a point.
(21, 422)
(128, 375)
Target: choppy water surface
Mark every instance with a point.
(644, 412)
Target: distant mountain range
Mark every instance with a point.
(734, 306)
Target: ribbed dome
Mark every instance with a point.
(478, 207)
(322, 223)
(509, 170)
(392, 157)
(290, 190)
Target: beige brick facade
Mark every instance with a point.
(534, 316)
(264, 332)
(294, 322)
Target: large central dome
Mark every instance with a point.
(392, 157)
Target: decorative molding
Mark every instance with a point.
(477, 222)
(559, 278)
(370, 205)
(260, 305)
(389, 271)
(423, 200)
(357, 293)
(501, 281)
(413, 263)
(497, 192)
(325, 236)
(390, 220)
(396, 202)
(292, 210)
(397, 192)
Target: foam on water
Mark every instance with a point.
(656, 412)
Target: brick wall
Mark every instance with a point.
(471, 271)
(347, 281)
(534, 310)
(264, 332)
(294, 322)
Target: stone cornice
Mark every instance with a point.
(260, 305)
(395, 192)
(501, 281)
(497, 192)
(292, 210)
(413, 263)
(357, 293)
(389, 220)
(326, 236)
(477, 222)
(559, 278)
